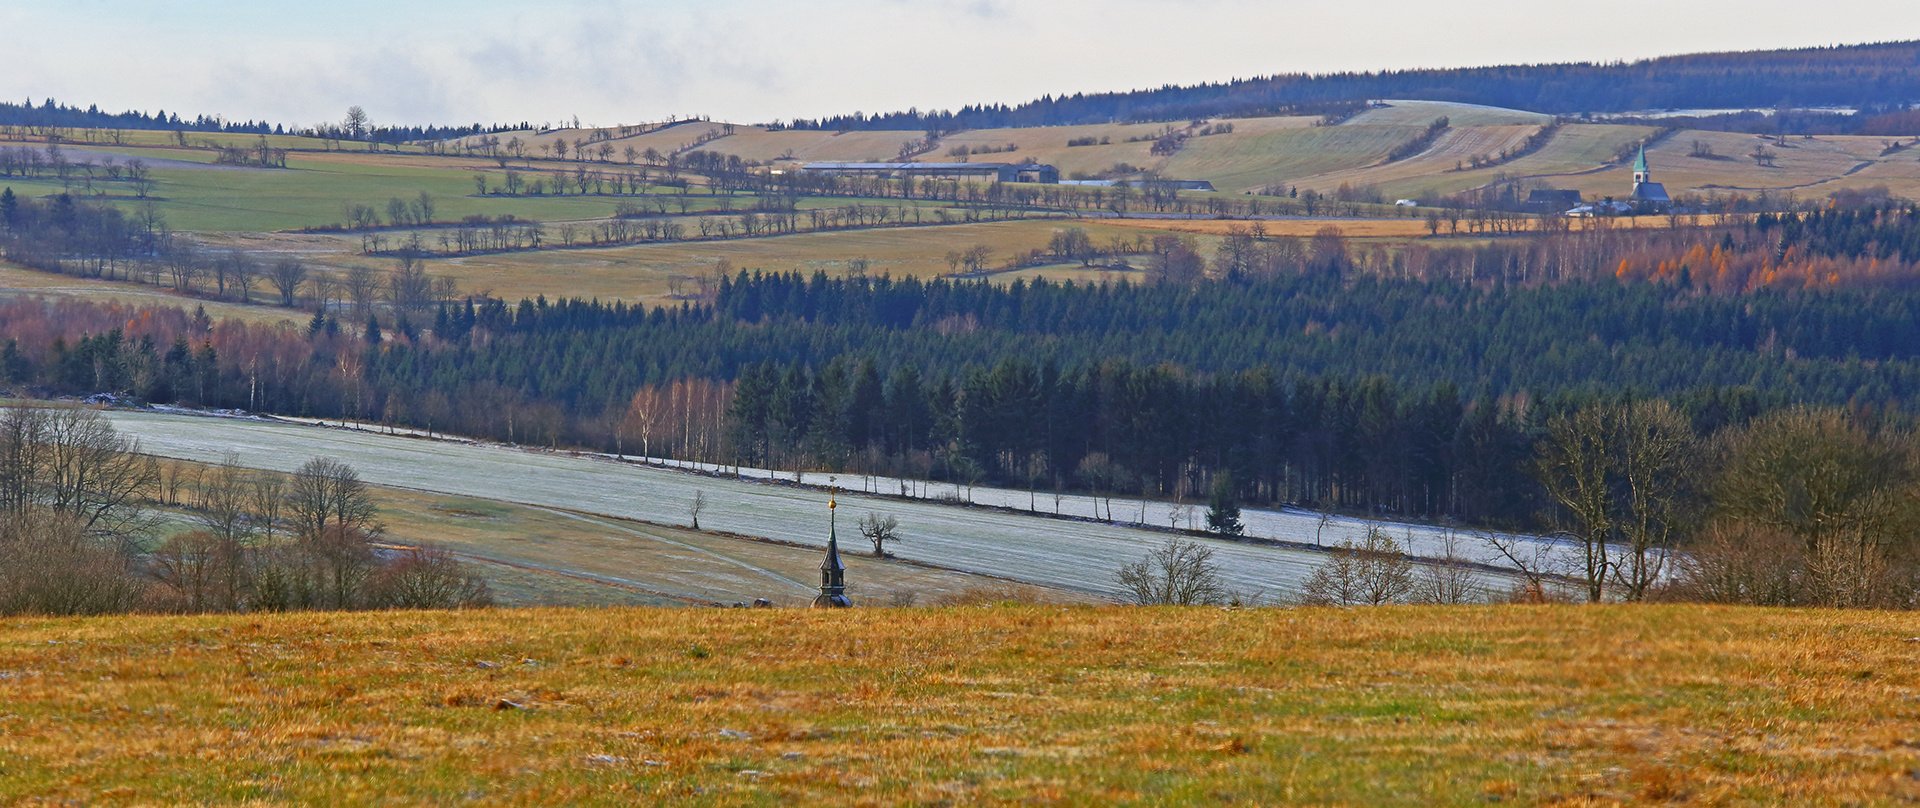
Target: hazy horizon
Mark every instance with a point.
(754, 61)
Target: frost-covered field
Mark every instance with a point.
(1071, 554)
(1291, 525)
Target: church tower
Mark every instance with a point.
(833, 574)
(1648, 196)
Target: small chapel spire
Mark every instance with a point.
(833, 574)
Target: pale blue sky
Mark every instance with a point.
(757, 60)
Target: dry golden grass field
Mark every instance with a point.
(644, 272)
(19, 281)
(1420, 113)
(1010, 705)
(1453, 149)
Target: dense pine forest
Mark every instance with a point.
(1855, 76)
(1324, 383)
(1873, 78)
(1412, 380)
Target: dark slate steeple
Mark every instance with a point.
(833, 574)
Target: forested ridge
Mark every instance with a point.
(51, 116)
(1880, 77)
(1412, 381)
(1858, 76)
(1405, 391)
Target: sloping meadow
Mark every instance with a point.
(994, 706)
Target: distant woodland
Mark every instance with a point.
(1410, 383)
(1873, 78)
(1853, 76)
(50, 117)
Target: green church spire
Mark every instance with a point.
(833, 581)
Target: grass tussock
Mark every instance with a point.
(1014, 705)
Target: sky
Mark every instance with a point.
(755, 61)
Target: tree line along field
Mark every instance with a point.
(645, 272)
(1257, 153)
(670, 273)
(1016, 705)
(247, 206)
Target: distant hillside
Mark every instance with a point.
(50, 116)
(1861, 76)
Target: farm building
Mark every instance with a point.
(1003, 172)
(1552, 199)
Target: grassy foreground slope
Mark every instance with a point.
(1003, 706)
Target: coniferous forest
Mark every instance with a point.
(1854, 76)
(1415, 383)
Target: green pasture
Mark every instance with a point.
(1283, 155)
(313, 190)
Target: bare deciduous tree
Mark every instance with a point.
(323, 288)
(333, 517)
(1180, 573)
(188, 563)
(427, 578)
(1446, 580)
(96, 475)
(245, 274)
(1622, 476)
(1372, 573)
(694, 508)
(286, 277)
(360, 288)
(1842, 490)
(325, 491)
(879, 530)
(183, 263)
(267, 490)
(409, 288)
(224, 501)
(356, 125)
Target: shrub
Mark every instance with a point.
(427, 578)
(1374, 573)
(1180, 573)
(52, 568)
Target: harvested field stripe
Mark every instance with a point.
(603, 523)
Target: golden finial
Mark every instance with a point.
(832, 491)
